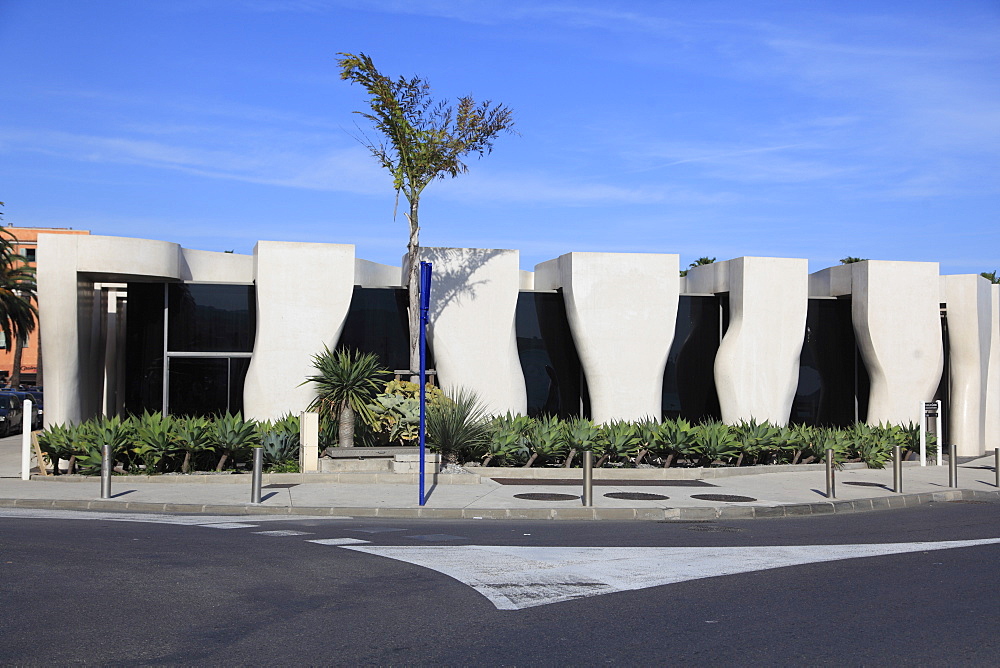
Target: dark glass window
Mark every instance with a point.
(144, 348)
(833, 383)
(207, 385)
(689, 378)
(553, 375)
(376, 323)
(211, 318)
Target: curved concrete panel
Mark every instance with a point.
(993, 378)
(121, 256)
(472, 306)
(303, 295)
(757, 366)
(214, 267)
(896, 314)
(969, 300)
(622, 310)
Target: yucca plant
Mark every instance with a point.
(459, 427)
(345, 384)
(193, 436)
(231, 435)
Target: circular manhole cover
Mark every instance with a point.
(865, 484)
(636, 496)
(541, 496)
(722, 497)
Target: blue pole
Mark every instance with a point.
(425, 300)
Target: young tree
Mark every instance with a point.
(421, 140)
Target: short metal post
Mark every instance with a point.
(831, 492)
(258, 471)
(897, 469)
(588, 478)
(952, 466)
(996, 464)
(106, 463)
(26, 445)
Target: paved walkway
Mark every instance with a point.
(777, 492)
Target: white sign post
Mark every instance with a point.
(26, 443)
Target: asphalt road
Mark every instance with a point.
(99, 591)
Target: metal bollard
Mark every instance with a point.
(258, 470)
(588, 478)
(996, 464)
(952, 466)
(897, 469)
(106, 463)
(831, 493)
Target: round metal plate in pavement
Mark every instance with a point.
(722, 497)
(541, 496)
(636, 496)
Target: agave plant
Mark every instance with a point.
(617, 441)
(280, 441)
(193, 436)
(231, 435)
(346, 382)
(756, 440)
(547, 440)
(716, 442)
(459, 427)
(57, 443)
(155, 438)
(509, 439)
(676, 440)
(581, 435)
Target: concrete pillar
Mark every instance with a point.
(993, 378)
(969, 298)
(308, 442)
(471, 329)
(303, 294)
(622, 310)
(757, 366)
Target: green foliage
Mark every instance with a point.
(460, 427)
(756, 440)
(991, 276)
(232, 436)
(155, 439)
(676, 439)
(547, 438)
(618, 441)
(509, 444)
(698, 263)
(193, 436)
(851, 260)
(345, 384)
(280, 442)
(715, 442)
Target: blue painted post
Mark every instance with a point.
(425, 301)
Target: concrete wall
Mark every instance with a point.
(622, 310)
(993, 378)
(969, 298)
(757, 366)
(471, 329)
(896, 314)
(303, 294)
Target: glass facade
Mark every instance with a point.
(376, 323)
(833, 382)
(689, 378)
(209, 331)
(553, 376)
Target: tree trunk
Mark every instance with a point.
(186, 466)
(569, 458)
(15, 373)
(531, 460)
(38, 367)
(486, 462)
(669, 461)
(413, 281)
(345, 427)
(222, 462)
(600, 462)
(638, 458)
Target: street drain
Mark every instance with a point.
(722, 497)
(867, 484)
(541, 496)
(709, 528)
(636, 496)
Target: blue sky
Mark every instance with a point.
(792, 129)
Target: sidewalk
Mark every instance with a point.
(782, 493)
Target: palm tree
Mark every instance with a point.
(991, 276)
(17, 292)
(697, 263)
(347, 381)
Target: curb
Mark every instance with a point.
(703, 514)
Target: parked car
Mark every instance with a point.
(36, 405)
(11, 413)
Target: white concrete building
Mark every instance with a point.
(607, 335)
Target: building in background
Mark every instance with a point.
(26, 241)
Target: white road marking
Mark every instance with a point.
(517, 577)
(283, 533)
(338, 541)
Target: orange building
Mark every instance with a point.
(26, 240)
